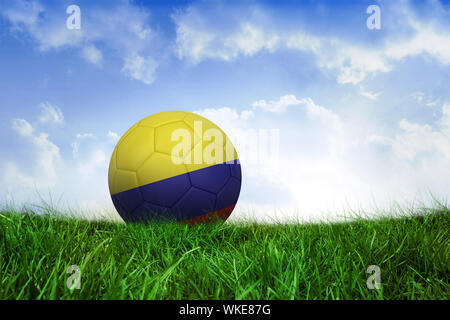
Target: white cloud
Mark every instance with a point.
(307, 42)
(290, 100)
(433, 103)
(378, 139)
(416, 139)
(368, 94)
(294, 172)
(417, 161)
(249, 40)
(361, 63)
(418, 96)
(352, 63)
(231, 118)
(92, 54)
(13, 177)
(84, 135)
(46, 157)
(317, 111)
(22, 127)
(50, 113)
(426, 40)
(204, 32)
(76, 144)
(97, 160)
(30, 17)
(114, 136)
(23, 13)
(44, 176)
(259, 145)
(228, 119)
(425, 99)
(278, 106)
(140, 68)
(200, 37)
(444, 121)
(121, 27)
(192, 44)
(75, 148)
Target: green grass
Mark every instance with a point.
(248, 261)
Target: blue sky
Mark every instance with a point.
(363, 115)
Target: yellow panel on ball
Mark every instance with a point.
(153, 135)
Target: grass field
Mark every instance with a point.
(314, 261)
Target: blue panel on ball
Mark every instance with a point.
(128, 200)
(212, 178)
(229, 194)
(236, 171)
(173, 199)
(194, 203)
(166, 192)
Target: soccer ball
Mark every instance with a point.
(174, 166)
